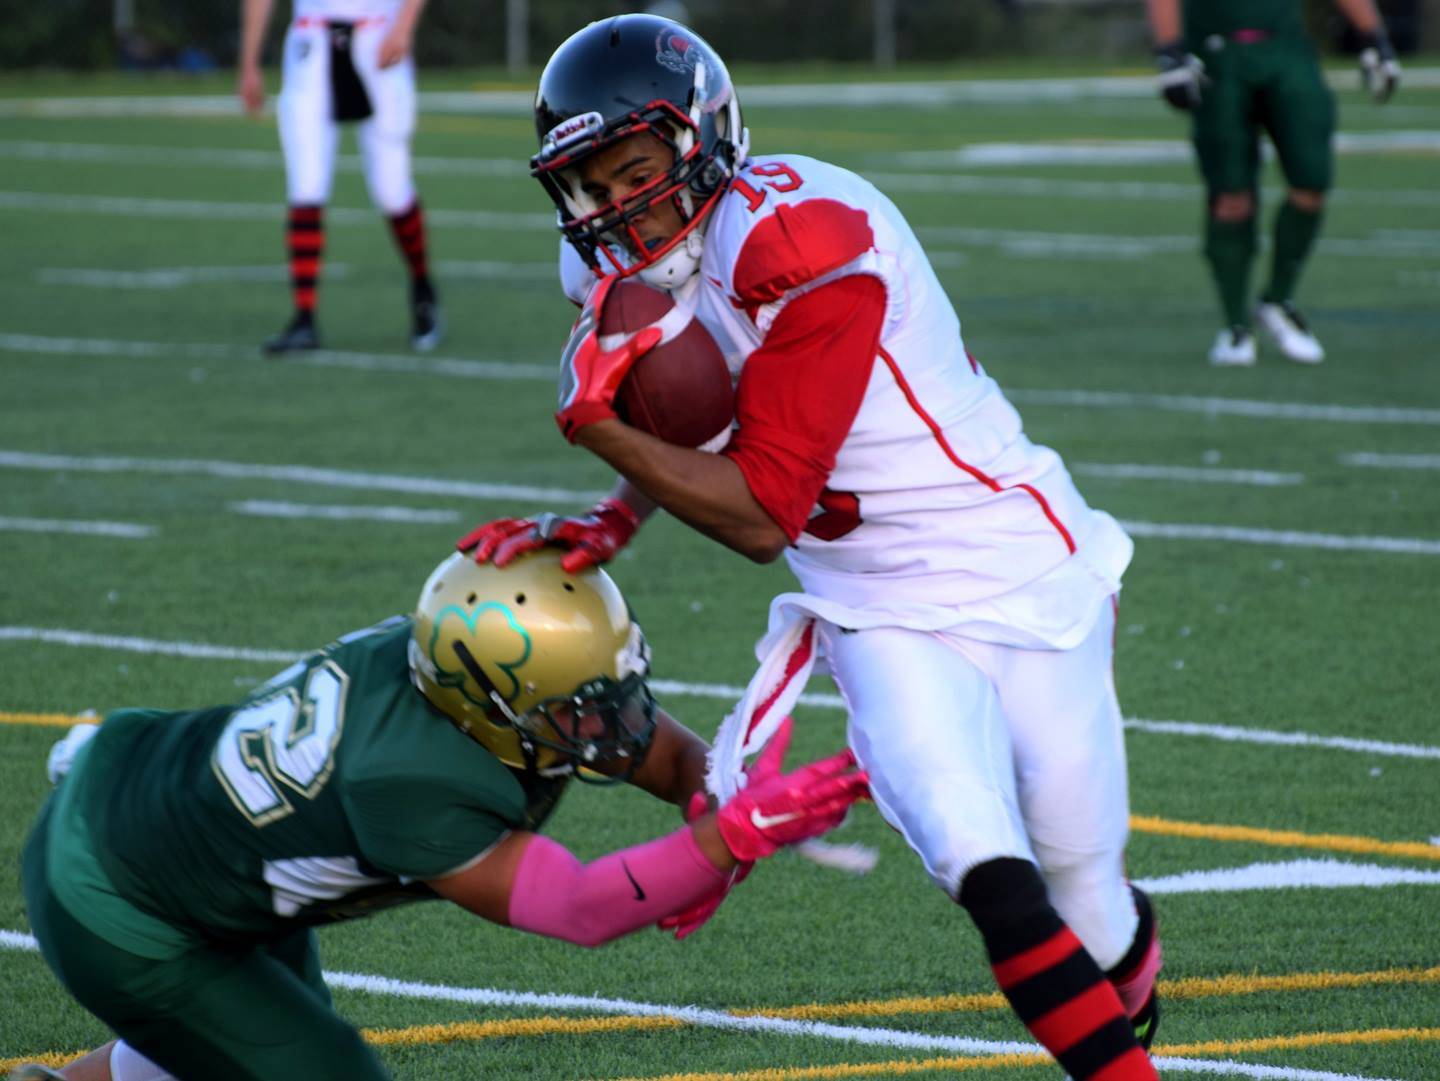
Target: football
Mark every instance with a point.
(680, 391)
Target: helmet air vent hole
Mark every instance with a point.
(569, 588)
(470, 599)
(519, 598)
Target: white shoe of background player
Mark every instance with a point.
(1234, 348)
(1286, 328)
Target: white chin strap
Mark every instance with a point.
(680, 265)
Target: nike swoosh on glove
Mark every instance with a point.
(591, 539)
(775, 809)
(686, 923)
(590, 376)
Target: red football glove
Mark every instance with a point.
(689, 921)
(776, 809)
(591, 540)
(589, 376)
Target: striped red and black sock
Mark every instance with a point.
(409, 231)
(1052, 983)
(305, 241)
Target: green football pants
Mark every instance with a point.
(219, 1013)
(1274, 85)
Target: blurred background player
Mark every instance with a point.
(175, 875)
(959, 586)
(345, 62)
(1239, 66)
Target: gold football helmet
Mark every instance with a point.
(545, 669)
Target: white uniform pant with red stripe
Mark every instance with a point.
(978, 751)
(310, 135)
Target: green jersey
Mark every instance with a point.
(1277, 18)
(332, 790)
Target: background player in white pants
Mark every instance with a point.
(345, 61)
(961, 588)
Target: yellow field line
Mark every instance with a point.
(1194, 987)
(969, 1062)
(1332, 842)
(950, 1064)
(58, 720)
(1172, 989)
(520, 1026)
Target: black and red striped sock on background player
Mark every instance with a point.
(409, 232)
(1052, 983)
(305, 241)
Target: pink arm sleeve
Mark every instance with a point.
(591, 903)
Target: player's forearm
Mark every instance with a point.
(633, 497)
(589, 904)
(1361, 14)
(1164, 20)
(705, 491)
(255, 17)
(674, 768)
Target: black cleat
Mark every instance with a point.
(427, 326)
(300, 334)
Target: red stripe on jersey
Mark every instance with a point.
(797, 244)
(798, 658)
(1036, 959)
(983, 478)
(974, 364)
(1070, 1022)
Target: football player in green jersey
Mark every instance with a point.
(175, 876)
(1239, 66)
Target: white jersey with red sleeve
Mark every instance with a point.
(935, 497)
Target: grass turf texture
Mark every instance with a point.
(1333, 643)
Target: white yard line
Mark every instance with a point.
(1234, 734)
(1291, 874)
(1283, 537)
(299, 474)
(1380, 244)
(982, 155)
(184, 276)
(407, 363)
(699, 1016)
(228, 158)
(1234, 407)
(499, 369)
(264, 508)
(416, 485)
(127, 530)
(1392, 461)
(139, 207)
(520, 102)
(1260, 478)
(730, 693)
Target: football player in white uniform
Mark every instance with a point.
(961, 590)
(346, 61)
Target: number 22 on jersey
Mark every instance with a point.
(285, 741)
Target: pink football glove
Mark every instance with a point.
(592, 539)
(589, 376)
(776, 809)
(686, 923)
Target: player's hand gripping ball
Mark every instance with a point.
(637, 355)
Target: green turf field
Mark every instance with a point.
(1281, 612)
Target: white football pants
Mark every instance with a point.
(310, 136)
(978, 751)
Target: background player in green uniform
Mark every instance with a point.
(1239, 66)
(174, 877)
